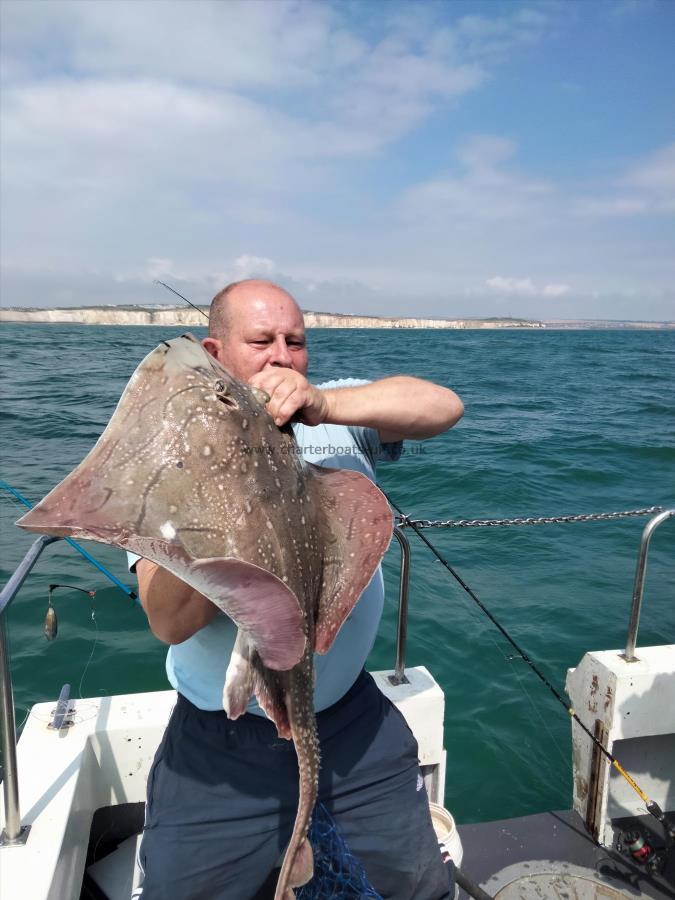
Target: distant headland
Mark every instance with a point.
(185, 316)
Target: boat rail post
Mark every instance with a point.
(13, 833)
(639, 584)
(399, 676)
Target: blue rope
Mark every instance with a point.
(129, 593)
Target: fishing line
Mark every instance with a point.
(93, 648)
(652, 807)
(50, 626)
(23, 721)
(513, 659)
(554, 741)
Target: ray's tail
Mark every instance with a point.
(298, 865)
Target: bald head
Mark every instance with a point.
(253, 324)
(238, 298)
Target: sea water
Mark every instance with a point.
(556, 422)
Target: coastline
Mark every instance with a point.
(177, 316)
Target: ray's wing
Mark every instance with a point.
(358, 526)
(260, 604)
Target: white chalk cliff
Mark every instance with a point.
(191, 318)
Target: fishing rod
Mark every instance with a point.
(127, 591)
(652, 806)
(173, 291)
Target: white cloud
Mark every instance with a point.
(555, 290)
(654, 173)
(210, 43)
(161, 269)
(525, 287)
(494, 37)
(248, 266)
(205, 142)
(647, 187)
(522, 286)
(388, 83)
(161, 125)
(486, 190)
(484, 152)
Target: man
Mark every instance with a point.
(222, 794)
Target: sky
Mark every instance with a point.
(428, 158)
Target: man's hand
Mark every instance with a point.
(291, 396)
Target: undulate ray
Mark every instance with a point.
(192, 473)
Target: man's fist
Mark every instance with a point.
(291, 396)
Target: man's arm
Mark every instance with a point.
(175, 611)
(399, 408)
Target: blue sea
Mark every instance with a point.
(556, 422)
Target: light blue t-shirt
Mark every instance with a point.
(196, 667)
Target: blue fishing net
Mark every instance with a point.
(337, 872)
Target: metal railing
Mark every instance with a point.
(399, 676)
(13, 832)
(639, 585)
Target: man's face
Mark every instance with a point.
(264, 328)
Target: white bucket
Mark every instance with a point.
(449, 840)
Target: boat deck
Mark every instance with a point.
(496, 853)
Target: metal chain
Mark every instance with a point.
(404, 521)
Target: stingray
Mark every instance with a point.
(192, 473)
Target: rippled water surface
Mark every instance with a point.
(556, 422)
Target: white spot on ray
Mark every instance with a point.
(168, 531)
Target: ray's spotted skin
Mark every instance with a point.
(192, 473)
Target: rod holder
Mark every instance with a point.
(60, 717)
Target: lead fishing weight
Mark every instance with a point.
(50, 626)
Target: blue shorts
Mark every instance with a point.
(222, 798)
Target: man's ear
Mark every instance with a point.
(212, 346)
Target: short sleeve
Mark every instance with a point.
(132, 559)
(368, 439)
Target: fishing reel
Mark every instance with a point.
(640, 847)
